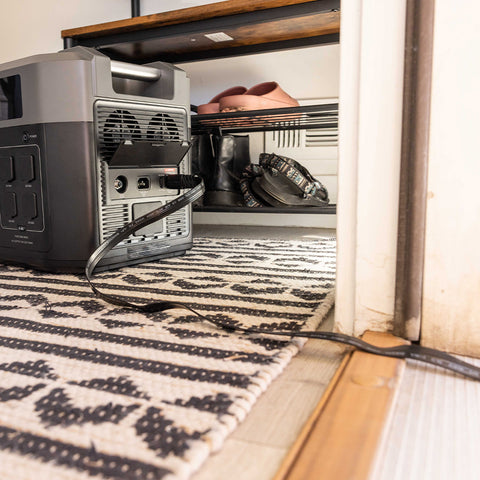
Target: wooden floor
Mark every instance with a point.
(341, 439)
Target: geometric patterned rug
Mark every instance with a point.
(91, 390)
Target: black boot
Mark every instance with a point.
(220, 161)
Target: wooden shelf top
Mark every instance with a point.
(227, 28)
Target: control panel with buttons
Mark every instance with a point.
(21, 206)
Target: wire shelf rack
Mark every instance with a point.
(292, 118)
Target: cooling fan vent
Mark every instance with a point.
(119, 126)
(162, 128)
(116, 125)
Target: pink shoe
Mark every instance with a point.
(262, 96)
(213, 106)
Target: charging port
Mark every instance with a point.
(120, 184)
(143, 183)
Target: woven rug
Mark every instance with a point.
(92, 390)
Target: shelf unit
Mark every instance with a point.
(256, 26)
(185, 35)
(293, 118)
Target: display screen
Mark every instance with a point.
(10, 98)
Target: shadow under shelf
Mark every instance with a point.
(292, 118)
(324, 210)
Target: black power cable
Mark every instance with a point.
(196, 189)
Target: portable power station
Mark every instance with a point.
(85, 146)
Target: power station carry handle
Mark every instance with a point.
(134, 72)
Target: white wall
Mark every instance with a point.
(451, 294)
(28, 27)
(304, 73)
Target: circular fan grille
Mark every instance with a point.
(119, 126)
(162, 128)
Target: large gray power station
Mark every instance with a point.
(85, 145)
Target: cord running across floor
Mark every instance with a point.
(195, 187)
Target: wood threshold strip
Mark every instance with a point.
(174, 17)
(340, 439)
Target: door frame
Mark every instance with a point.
(372, 45)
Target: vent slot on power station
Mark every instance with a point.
(116, 125)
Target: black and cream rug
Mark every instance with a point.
(92, 390)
